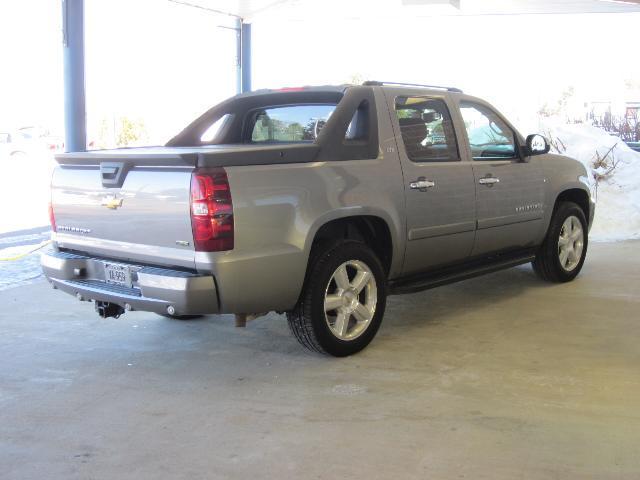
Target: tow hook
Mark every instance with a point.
(106, 309)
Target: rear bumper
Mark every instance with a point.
(154, 289)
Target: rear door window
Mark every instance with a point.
(426, 129)
(286, 124)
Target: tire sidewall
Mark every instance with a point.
(323, 270)
(566, 210)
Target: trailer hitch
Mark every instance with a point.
(107, 309)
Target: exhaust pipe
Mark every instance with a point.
(106, 309)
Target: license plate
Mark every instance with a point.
(116, 274)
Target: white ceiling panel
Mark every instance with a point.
(253, 10)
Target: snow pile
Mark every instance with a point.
(617, 193)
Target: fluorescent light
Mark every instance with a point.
(452, 3)
(625, 2)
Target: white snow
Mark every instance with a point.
(617, 196)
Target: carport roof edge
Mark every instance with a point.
(250, 10)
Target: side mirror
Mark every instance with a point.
(536, 145)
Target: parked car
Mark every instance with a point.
(27, 142)
(13, 145)
(42, 135)
(233, 216)
(634, 146)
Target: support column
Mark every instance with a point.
(238, 31)
(246, 57)
(75, 121)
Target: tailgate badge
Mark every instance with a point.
(112, 202)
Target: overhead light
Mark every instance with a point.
(624, 2)
(452, 3)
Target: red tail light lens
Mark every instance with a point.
(52, 217)
(211, 210)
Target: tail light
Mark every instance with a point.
(211, 210)
(52, 217)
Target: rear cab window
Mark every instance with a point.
(291, 123)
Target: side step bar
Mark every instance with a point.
(437, 278)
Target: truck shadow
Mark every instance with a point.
(437, 305)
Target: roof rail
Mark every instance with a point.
(375, 83)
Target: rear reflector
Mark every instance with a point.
(52, 218)
(211, 210)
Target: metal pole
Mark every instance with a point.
(246, 57)
(238, 55)
(75, 121)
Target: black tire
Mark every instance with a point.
(547, 263)
(307, 320)
(181, 317)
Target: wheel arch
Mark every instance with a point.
(371, 229)
(576, 195)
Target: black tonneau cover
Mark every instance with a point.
(209, 156)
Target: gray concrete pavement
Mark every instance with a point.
(501, 377)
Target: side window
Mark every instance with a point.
(489, 137)
(427, 130)
(211, 133)
(359, 126)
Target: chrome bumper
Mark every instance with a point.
(154, 289)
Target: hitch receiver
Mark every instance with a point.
(106, 309)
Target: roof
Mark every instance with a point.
(360, 9)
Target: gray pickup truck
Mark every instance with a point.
(318, 202)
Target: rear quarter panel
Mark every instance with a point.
(277, 211)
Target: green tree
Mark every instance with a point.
(130, 131)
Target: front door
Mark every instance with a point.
(509, 189)
(439, 185)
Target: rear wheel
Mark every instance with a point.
(563, 251)
(343, 300)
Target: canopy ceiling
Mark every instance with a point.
(251, 10)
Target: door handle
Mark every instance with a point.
(422, 184)
(488, 181)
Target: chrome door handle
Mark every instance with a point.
(488, 180)
(421, 184)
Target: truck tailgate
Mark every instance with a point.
(128, 205)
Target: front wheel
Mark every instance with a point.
(564, 249)
(343, 300)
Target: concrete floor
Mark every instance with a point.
(501, 377)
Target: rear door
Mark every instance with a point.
(509, 189)
(439, 185)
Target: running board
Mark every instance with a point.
(417, 283)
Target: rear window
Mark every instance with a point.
(293, 123)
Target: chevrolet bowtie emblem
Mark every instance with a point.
(112, 202)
